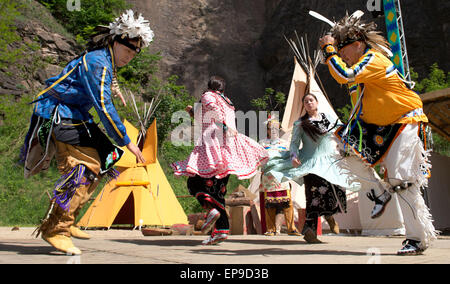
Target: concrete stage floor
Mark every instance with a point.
(127, 246)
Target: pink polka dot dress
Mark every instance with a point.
(220, 150)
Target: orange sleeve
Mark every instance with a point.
(367, 69)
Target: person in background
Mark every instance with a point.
(314, 165)
(220, 152)
(277, 196)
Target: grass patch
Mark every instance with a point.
(22, 201)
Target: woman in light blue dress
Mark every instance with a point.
(316, 166)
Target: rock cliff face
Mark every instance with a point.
(243, 40)
(55, 50)
(239, 40)
(44, 53)
(198, 38)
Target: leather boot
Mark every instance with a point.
(334, 227)
(79, 234)
(62, 243)
(310, 237)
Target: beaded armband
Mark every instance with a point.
(328, 50)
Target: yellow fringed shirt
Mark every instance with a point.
(386, 98)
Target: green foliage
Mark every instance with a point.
(344, 113)
(271, 101)
(174, 98)
(32, 10)
(436, 80)
(22, 201)
(8, 13)
(441, 145)
(168, 154)
(137, 74)
(91, 14)
(138, 77)
(135, 77)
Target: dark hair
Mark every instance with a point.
(102, 38)
(127, 42)
(216, 83)
(309, 94)
(312, 130)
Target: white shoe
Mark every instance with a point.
(410, 247)
(208, 241)
(217, 238)
(211, 219)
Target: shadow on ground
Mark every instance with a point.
(221, 249)
(25, 249)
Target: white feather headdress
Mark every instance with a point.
(127, 25)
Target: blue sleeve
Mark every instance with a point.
(97, 77)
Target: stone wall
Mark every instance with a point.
(243, 40)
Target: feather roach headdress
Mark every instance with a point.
(351, 28)
(125, 26)
(272, 121)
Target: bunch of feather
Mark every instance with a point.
(124, 26)
(351, 28)
(127, 25)
(148, 112)
(308, 64)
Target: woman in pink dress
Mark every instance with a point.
(219, 152)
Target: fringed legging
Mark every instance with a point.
(80, 167)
